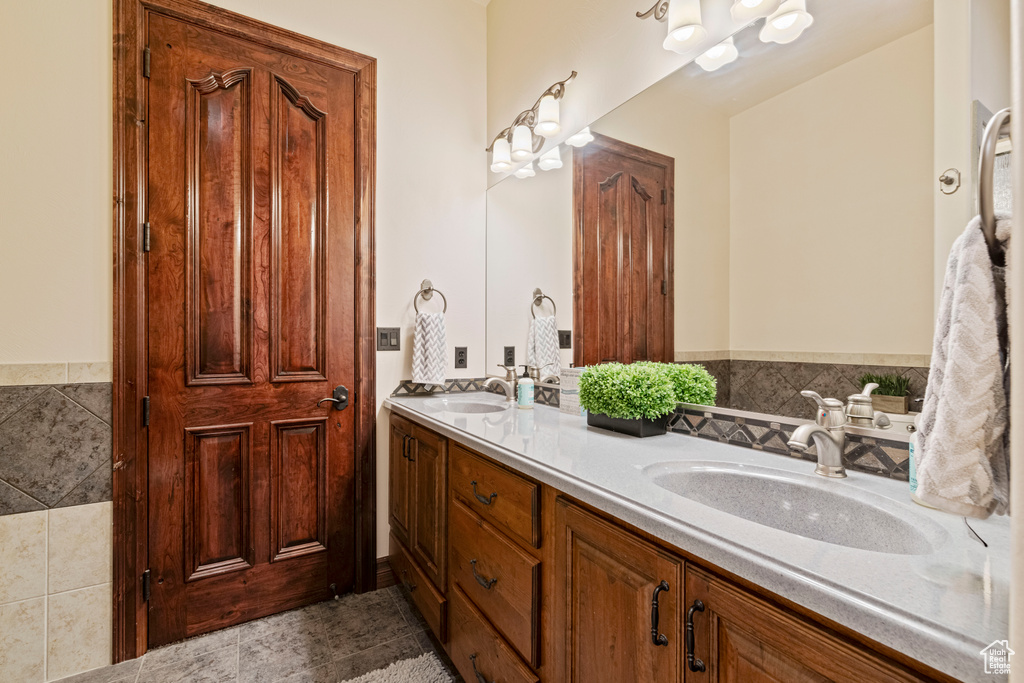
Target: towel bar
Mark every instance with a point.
(538, 299)
(427, 292)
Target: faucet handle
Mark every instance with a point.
(510, 371)
(868, 388)
(830, 410)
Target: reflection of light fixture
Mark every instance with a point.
(547, 117)
(501, 156)
(685, 30)
(718, 56)
(526, 171)
(580, 139)
(787, 22)
(550, 160)
(747, 10)
(525, 137)
(522, 143)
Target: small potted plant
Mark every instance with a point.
(892, 394)
(637, 399)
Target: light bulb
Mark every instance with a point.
(547, 117)
(550, 160)
(685, 30)
(787, 23)
(526, 171)
(580, 139)
(522, 143)
(501, 156)
(718, 56)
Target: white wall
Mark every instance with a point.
(664, 120)
(534, 43)
(529, 245)
(55, 180)
(812, 231)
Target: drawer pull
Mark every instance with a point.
(483, 499)
(691, 660)
(657, 638)
(487, 584)
(479, 676)
(405, 581)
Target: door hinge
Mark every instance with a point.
(145, 411)
(147, 586)
(664, 286)
(145, 236)
(145, 62)
(664, 196)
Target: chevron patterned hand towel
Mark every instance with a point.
(542, 345)
(963, 466)
(429, 349)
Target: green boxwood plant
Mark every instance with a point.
(644, 390)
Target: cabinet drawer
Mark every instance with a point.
(475, 647)
(430, 602)
(501, 578)
(503, 498)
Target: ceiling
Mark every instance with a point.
(842, 30)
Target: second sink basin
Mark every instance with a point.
(479, 403)
(799, 504)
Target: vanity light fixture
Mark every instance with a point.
(525, 137)
(787, 22)
(745, 11)
(581, 139)
(718, 56)
(526, 171)
(550, 160)
(685, 29)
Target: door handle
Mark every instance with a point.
(487, 584)
(657, 638)
(692, 662)
(339, 398)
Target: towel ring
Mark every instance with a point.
(538, 299)
(427, 292)
(999, 125)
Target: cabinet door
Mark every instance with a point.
(398, 478)
(603, 603)
(428, 461)
(740, 638)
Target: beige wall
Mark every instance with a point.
(55, 180)
(831, 251)
(697, 137)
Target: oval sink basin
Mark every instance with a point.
(799, 504)
(466, 405)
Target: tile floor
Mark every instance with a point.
(328, 642)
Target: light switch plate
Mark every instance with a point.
(389, 339)
(565, 339)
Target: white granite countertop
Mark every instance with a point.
(940, 608)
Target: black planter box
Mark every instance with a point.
(636, 427)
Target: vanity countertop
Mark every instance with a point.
(940, 608)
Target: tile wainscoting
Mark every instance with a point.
(55, 520)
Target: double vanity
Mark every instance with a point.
(540, 549)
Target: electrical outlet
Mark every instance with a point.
(460, 358)
(565, 339)
(389, 339)
(510, 356)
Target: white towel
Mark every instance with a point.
(542, 345)
(963, 466)
(429, 349)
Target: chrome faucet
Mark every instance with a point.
(828, 433)
(509, 384)
(536, 373)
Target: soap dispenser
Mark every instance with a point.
(524, 397)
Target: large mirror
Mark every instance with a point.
(778, 220)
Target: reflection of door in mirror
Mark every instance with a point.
(622, 253)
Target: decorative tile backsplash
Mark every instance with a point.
(55, 446)
(451, 386)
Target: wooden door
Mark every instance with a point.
(622, 253)
(399, 499)
(603, 603)
(251, 301)
(428, 486)
(740, 638)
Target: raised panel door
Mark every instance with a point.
(428, 487)
(399, 499)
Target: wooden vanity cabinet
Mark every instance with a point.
(418, 513)
(604, 616)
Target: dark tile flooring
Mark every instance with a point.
(328, 642)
